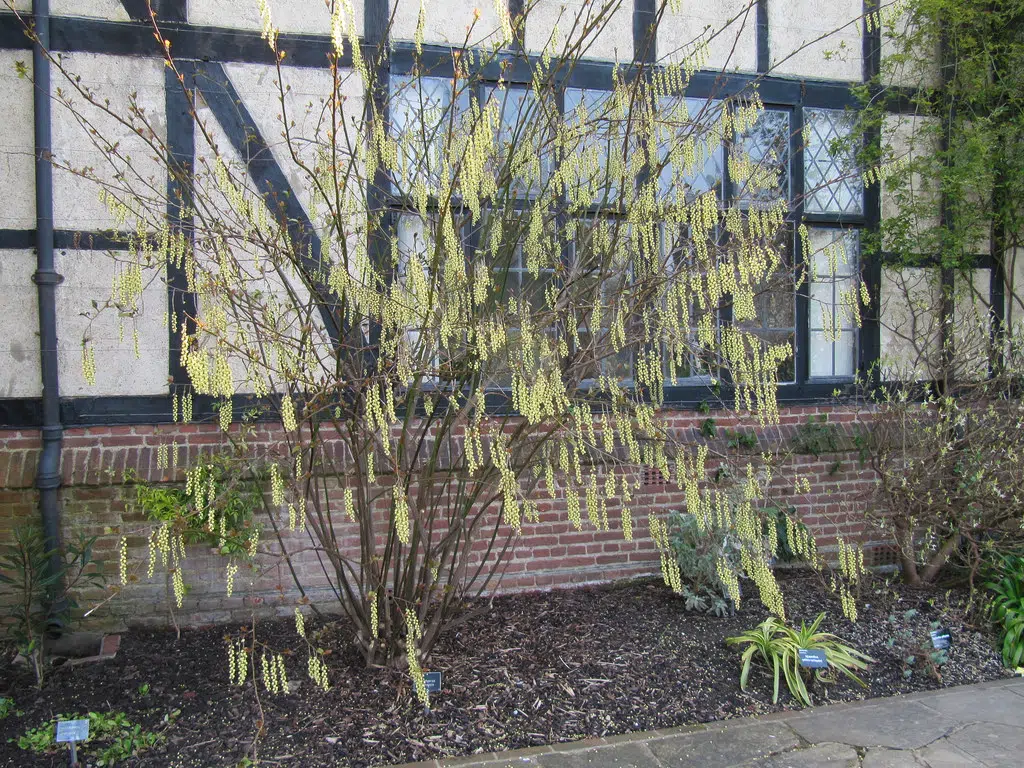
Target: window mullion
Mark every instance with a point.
(802, 340)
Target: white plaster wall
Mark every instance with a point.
(220, 214)
(17, 165)
(613, 42)
(296, 16)
(76, 203)
(901, 140)
(308, 116)
(729, 26)
(909, 323)
(89, 275)
(924, 73)
(794, 29)
(19, 327)
(111, 10)
(447, 22)
(971, 323)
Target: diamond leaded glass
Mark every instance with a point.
(831, 181)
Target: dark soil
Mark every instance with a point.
(535, 669)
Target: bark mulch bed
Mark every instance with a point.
(535, 669)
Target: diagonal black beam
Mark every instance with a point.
(224, 102)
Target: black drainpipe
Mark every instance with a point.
(46, 278)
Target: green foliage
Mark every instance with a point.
(969, 155)
(7, 708)
(741, 439)
(778, 647)
(817, 437)
(698, 553)
(113, 738)
(1007, 588)
(216, 511)
(39, 588)
(707, 428)
(784, 553)
(916, 652)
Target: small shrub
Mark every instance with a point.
(785, 552)
(1007, 590)
(779, 648)
(215, 509)
(7, 708)
(40, 598)
(698, 553)
(915, 652)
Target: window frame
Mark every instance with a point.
(783, 94)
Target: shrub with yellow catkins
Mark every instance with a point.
(393, 347)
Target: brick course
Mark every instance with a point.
(550, 553)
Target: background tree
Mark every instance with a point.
(950, 485)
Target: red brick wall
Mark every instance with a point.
(550, 553)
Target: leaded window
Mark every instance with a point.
(759, 165)
(831, 182)
(834, 295)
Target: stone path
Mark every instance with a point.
(973, 725)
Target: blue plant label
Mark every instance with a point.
(433, 681)
(72, 730)
(941, 639)
(813, 659)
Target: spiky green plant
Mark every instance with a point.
(779, 647)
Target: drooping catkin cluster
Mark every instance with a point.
(413, 634)
(238, 661)
(275, 680)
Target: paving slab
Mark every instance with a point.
(972, 706)
(975, 726)
(897, 723)
(883, 757)
(991, 744)
(620, 756)
(942, 754)
(830, 754)
(724, 747)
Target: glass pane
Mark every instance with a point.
(412, 272)
(821, 300)
(775, 295)
(833, 285)
(835, 252)
(690, 151)
(523, 144)
(845, 349)
(511, 278)
(420, 114)
(821, 355)
(831, 181)
(683, 358)
(600, 272)
(760, 166)
(596, 154)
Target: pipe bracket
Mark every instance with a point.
(47, 277)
